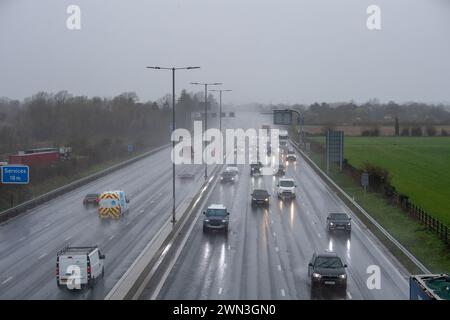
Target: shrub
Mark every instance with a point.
(416, 132)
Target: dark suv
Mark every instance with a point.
(216, 217)
(327, 270)
(260, 197)
(227, 176)
(339, 221)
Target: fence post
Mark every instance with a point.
(446, 235)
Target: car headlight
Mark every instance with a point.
(331, 224)
(254, 199)
(224, 220)
(316, 275)
(266, 199)
(206, 220)
(343, 276)
(348, 223)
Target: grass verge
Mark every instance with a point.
(423, 244)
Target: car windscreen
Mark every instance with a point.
(92, 195)
(328, 262)
(339, 216)
(227, 174)
(287, 184)
(260, 193)
(216, 212)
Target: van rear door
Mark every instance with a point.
(71, 267)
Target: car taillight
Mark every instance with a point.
(89, 270)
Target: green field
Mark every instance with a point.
(419, 167)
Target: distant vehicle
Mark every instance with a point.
(339, 221)
(286, 188)
(78, 267)
(91, 198)
(327, 270)
(44, 158)
(227, 176)
(291, 156)
(232, 114)
(255, 169)
(429, 287)
(280, 171)
(232, 168)
(216, 217)
(260, 197)
(265, 126)
(283, 137)
(223, 114)
(112, 204)
(214, 115)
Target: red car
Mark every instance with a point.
(91, 198)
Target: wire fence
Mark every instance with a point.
(400, 200)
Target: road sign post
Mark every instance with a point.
(286, 118)
(365, 181)
(15, 174)
(334, 148)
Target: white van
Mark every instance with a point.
(112, 204)
(78, 267)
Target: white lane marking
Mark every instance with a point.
(220, 290)
(141, 211)
(274, 234)
(319, 235)
(224, 265)
(277, 249)
(47, 225)
(283, 293)
(349, 295)
(68, 238)
(279, 267)
(21, 239)
(7, 280)
(229, 247)
(110, 238)
(271, 221)
(41, 256)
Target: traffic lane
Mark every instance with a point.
(267, 256)
(25, 235)
(360, 249)
(245, 264)
(205, 258)
(122, 242)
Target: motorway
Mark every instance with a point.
(29, 242)
(264, 255)
(266, 251)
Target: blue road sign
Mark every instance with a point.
(130, 148)
(15, 174)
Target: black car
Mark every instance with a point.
(339, 221)
(216, 217)
(327, 270)
(281, 171)
(255, 168)
(260, 197)
(227, 176)
(91, 198)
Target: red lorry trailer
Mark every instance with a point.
(32, 159)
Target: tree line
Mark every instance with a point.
(98, 129)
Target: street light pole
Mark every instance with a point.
(206, 113)
(173, 129)
(220, 106)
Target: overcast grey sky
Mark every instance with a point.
(279, 51)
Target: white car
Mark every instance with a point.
(78, 267)
(286, 188)
(232, 168)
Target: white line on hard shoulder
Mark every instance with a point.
(7, 280)
(283, 293)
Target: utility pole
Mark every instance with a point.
(173, 69)
(206, 113)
